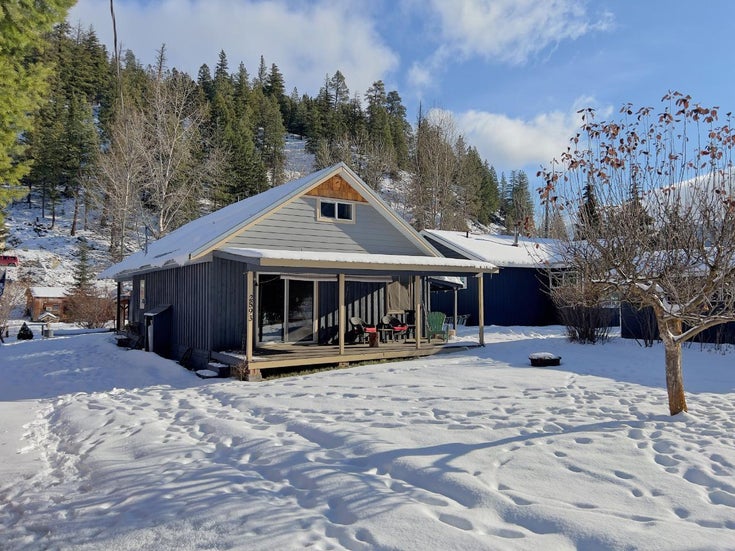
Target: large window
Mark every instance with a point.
(336, 211)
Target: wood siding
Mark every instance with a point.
(295, 227)
(337, 188)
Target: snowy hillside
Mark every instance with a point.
(48, 255)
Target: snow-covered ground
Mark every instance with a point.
(105, 448)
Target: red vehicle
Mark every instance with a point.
(8, 260)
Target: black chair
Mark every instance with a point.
(394, 327)
(361, 329)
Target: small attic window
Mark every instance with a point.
(336, 210)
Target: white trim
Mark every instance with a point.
(336, 202)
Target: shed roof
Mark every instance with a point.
(500, 249)
(48, 292)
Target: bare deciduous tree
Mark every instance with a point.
(436, 165)
(13, 296)
(121, 173)
(154, 171)
(662, 233)
(90, 308)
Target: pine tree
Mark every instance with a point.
(65, 144)
(519, 217)
(23, 75)
(270, 135)
(82, 275)
(400, 130)
(489, 196)
(588, 215)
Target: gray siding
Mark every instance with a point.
(228, 304)
(295, 227)
(187, 291)
(366, 300)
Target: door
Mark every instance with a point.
(285, 309)
(300, 311)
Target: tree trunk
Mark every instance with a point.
(73, 231)
(674, 378)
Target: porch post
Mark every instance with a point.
(118, 319)
(455, 309)
(417, 292)
(250, 300)
(342, 312)
(481, 307)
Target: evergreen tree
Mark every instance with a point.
(588, 215)
(340, 91)
(400, 130)
(262, 77)
(489, 196)
(378, 123)
(82, 275)
(65, 143)
(270, 135)
(519, 217)
(275, 86)
(204, 81)
(23, 75)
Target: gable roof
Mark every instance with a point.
(499, 249)
(195, 240)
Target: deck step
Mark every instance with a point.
(214, 370)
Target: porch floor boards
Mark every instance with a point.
(275, 355)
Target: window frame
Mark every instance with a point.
(336, 218)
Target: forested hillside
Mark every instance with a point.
(152, 147)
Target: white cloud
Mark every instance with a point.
(307, 41)
(506, 31)
(513, 30)
(511, 143)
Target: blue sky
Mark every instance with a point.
(512, 73)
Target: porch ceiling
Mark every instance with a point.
(333, 262)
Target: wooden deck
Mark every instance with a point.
(284, 355)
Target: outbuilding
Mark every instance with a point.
(518, 294)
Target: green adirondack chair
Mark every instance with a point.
(435, 321)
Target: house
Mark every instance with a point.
(46, 299)
(518, 294)
(289, 266)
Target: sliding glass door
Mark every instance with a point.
(285, 300)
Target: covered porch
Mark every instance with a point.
(311, 290)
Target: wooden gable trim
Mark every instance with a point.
(337, 188)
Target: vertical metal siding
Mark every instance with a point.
(365, 300)
(515, 296)
(228, 304)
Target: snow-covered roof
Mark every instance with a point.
(499, 249)
(363, 261)
(193, 241)
(181, 245)
(48, 292)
